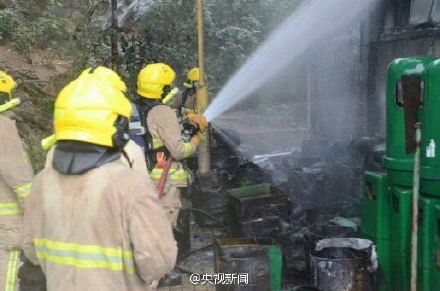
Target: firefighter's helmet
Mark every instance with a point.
(155, 80)
(92, 111)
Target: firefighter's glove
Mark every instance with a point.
(198, 119)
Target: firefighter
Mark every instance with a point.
(15, 183)
(163, 134)
(93, 222)
(133, 154)
(187, 102)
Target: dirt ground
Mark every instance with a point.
(42, 65)
(37, 85)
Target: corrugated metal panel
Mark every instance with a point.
(420, 12)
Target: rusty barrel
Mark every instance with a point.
(341, 269)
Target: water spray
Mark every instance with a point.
(312, 22)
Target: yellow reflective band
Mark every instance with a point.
(188, 110)
(175, 175)
(12, 270)
(157, 143)
(23, 191)
(10, 104)
(187, 150)
(84, 256)
(9, 209)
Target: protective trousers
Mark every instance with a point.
(9, 264)
(170, 201)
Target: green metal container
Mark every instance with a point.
(383, 248)
(376, 206)
(375, 223)
(428, 280)
(401, 274)
(398, 162)
(429, 244)
(401, 201)
(401, 206)
(430, 154)
(276, 267)
(429, 240)
(257, 211)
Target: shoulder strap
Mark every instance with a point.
(144, 107)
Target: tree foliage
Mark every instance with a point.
(8, 22)
(233, 30)
(39, 29)
(166, 32)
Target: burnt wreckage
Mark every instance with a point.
(323, 179)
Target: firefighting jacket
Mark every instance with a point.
(165, 130)
(15, 183)
(101, 230)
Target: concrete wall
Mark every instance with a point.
(393, 37)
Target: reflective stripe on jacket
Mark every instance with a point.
(11, 260)
(16, 175)
(84, 256)
(165, 129)
(23, 191)
(175, 175)
(101, 230)
(9, 209)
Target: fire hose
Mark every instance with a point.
(164, 176)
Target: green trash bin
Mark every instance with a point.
(401, 205)
(429, 244)
(376, 206)
(398, 161)
(375, 223)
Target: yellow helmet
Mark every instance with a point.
(155, 80)
(92, 111)
(106, 74)
(194, 75)
(7, 84)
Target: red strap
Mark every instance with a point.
(160, 156)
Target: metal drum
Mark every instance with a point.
(341, 269)
(251, 260)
